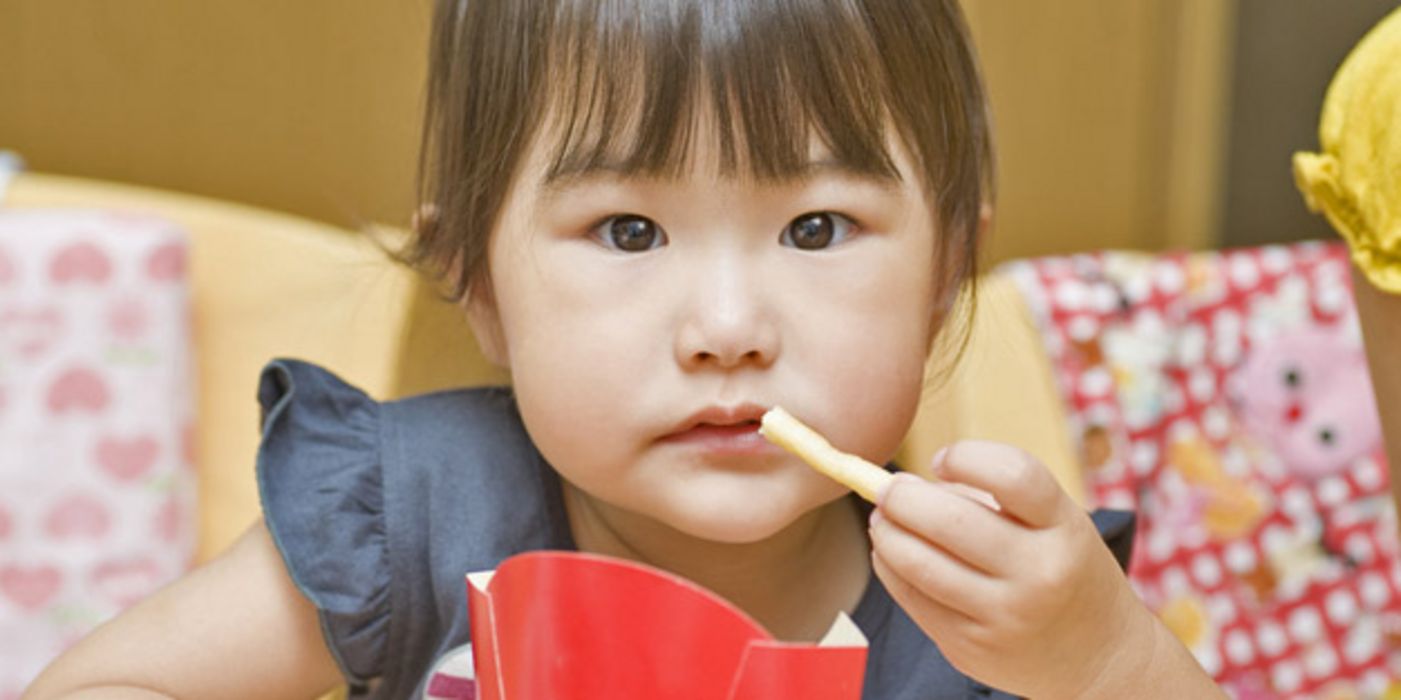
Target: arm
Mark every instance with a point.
(1379, 314)
(1026, 599)
(235, 628)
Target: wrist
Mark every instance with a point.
(1150, 663)
(1123, 655)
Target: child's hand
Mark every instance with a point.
(1029, 599)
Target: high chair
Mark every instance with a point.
(266, 284)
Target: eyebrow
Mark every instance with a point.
(567, 175)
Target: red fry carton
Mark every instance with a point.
(564, 625)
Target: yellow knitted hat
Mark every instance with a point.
(1356, 179)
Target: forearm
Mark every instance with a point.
(1379, 314)
(83, 675)
(104, 693)
(235, 628)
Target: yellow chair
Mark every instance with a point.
(266, 284)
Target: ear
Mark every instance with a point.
(984, 221)
(484, 318)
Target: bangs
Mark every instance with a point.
(631, 82)
(631, 86)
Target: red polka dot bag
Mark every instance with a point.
(1225, 397)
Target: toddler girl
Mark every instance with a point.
(664, 218)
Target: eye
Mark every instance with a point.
(1293, 378)
(817, 230)
(1328, 436)
(629, 233)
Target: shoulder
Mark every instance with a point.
(452, 453)
(311, 415)
(457, 426)
(317, 394)
(381, 508)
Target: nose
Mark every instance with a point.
(727, 323)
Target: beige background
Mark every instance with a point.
(308, 106)
(1106, 111)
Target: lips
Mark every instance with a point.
(722, 416)
(724, 429)
(736, 439)
(718, 432)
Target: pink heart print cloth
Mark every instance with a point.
(1225, 397)
(96, 418)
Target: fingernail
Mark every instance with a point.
(884, 491)
(876, 517)
(936, 465)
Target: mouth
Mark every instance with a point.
(719, 430)
(722, 430)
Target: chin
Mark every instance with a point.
(744, 520)
(733, 530)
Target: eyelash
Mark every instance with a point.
(845, 227)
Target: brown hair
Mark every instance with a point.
(621, 83)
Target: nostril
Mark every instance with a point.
(726, 359)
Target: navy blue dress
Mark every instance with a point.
(379, 509)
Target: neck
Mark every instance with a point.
(793, 583)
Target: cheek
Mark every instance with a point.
(874, 394)
(868, 349)
(565, 421)
(573, 361)
(583, 354)
(570, 411)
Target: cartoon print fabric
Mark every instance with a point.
(1306, 392)
(1225, 397)
(96, 408)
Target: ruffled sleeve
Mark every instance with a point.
(321, 481)
(1116, 528)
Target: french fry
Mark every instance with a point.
(782, 429)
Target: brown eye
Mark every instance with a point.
(631, 234)
(816, 230)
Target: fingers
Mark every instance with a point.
(952, 520)
(927, 569)
(932, 614)
(1021, 484)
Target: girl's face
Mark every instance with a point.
(648, 323)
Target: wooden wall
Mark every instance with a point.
(1108, 121)
(308, 106)
(1107, 112)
